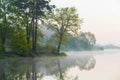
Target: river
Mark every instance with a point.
(83, 65)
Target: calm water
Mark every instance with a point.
(85, 65)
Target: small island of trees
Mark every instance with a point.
(22, 22)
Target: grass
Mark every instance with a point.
(33, 55)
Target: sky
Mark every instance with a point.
(101, 17)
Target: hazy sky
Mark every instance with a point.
(101, 17)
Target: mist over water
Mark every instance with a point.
(107, 66)
(83, 65)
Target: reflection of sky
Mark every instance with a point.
(107, 68)
(100, 17)
(44, 66)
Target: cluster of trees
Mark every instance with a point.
(84, 41)
(21, 22)
(19, 27)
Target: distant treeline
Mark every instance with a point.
(84, 41)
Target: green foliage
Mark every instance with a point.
(20, 31)
(4, 23)
(54, 39)
(64, 21)
(46, 49)
(16, 29)
(19, 43)
(50, 47)
(85, 41)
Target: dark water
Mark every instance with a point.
(94, 65)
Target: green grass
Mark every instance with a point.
(33, 55)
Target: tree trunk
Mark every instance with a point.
(36, 34)
(33, 28)
(36, 25)
(2, 47)
(59, 44)
(27, 30)
(3, 44)
(4, 31)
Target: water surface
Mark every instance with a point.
(84, 65)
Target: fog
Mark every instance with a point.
(80, 65)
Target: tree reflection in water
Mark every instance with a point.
(36, 69)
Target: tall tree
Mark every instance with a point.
(5, 6)
(87, 40)
(37, 10)
(24, 12)
(63, 21)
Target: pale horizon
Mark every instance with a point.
(101, 17)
